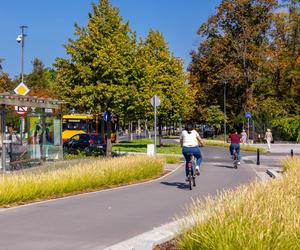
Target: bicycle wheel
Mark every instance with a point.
(235, 160)
(194, 182)
(190, 175)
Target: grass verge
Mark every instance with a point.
(250, 148)
(257, 216)
(58, 181)
(141, 146)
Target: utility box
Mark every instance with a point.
(150, 150)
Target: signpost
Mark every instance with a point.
(155, 101)
(248, 116)
(105, 114)
(21, 89)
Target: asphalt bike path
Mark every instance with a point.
(100, 219)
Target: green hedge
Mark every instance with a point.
(289, 127)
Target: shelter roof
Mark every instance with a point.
(9, 99)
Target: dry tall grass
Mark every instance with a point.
(23, 187)
(257, 216)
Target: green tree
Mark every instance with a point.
(234, 47)
(6, 84)
(162, 74)
(98, 74)
(39, 81)
(214, 117)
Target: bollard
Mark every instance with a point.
(258, 161)
(292, 152)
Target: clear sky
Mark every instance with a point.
(51, 23)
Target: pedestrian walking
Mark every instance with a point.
(244, 137)
(269, 138)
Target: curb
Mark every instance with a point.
(157, 236)
(273, 173)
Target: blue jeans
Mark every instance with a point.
(186, 151)
(237, 148)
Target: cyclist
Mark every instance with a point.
(235, 140)
(189, 141)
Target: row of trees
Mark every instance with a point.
(109, 69)
(252, 47)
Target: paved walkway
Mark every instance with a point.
(281, 148)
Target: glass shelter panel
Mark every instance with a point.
(44, 137)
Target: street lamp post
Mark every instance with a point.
(21, 39)
(225, 111)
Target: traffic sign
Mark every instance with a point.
(21, 111)
(248, 115)
(105, 114)
(155, 101)
(21, 89)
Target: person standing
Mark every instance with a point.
(269, 138)
(244, 137)
(190, 141)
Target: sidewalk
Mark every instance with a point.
(280, 148)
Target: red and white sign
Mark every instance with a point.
(21, 110)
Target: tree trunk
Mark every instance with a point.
(108, 142)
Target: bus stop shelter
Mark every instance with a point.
(37, 137)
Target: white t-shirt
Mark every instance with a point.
(189, 140)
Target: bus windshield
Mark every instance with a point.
(75, 124)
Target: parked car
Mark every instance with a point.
(88, 143)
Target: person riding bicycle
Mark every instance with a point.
(235, 140)
(189, 141)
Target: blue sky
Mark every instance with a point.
(51, 23)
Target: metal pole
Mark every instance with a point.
(253, 131)
(154, 102)
(248, 129)
(23, 43)
(258, 160)
(3, 155)
(224, 112)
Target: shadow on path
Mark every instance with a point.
(223, 166)
(180, 185)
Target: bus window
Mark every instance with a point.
(69, 124)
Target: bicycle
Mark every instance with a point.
(235, 158)
(191, 166)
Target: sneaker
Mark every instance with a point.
(197, 170)
(187, 179)
(239, 163)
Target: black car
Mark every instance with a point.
(88, 143)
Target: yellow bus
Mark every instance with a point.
(83, 123)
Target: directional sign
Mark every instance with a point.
(105, 114)
(155, 101)
(248, 115)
